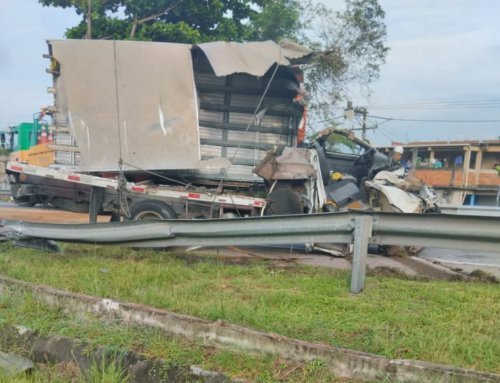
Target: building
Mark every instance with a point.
(467, 175)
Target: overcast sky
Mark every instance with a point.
(441, 51)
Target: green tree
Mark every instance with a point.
(188, 21)
(276, 20)
(353, 41)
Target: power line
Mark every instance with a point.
(434, 103)
(389, 138)
(394, 133)
(464, 106)
(416, 120)
(328, 120)
(487, 106)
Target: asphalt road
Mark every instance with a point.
(465, 259)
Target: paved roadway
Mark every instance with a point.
(466, 260)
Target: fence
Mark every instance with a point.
(360, 228)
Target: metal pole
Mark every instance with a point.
(414, 157)
(364, 125)
(362, 234)
(498, 197)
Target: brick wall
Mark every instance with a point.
(442, 178)
(488, 179)
(434, 177)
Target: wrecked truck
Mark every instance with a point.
(312, 180)
(155, 130)
(165, 131)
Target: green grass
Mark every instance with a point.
(442, 322)
(100, 372)
(119, 336)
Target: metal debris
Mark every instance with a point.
(12, 364)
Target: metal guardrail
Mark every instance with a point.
(359, 228)
(483, 211)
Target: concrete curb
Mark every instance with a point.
(343, 363)
(59, 349)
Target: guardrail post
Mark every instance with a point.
(362, 234)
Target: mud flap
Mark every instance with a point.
(95, 203)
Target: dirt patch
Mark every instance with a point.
(425, 268)
(477, 276)
(240, 261)
(393, 272)
(45, 215)
(483, 277)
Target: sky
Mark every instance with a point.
(441, 51)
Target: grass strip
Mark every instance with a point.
(453, 323)
(119, 336)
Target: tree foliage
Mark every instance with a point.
(354, 44)
(189, 21)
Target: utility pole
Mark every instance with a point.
(364, 125)
(351, 112)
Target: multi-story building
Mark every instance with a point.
(467, 175)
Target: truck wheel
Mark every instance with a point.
(151, 210)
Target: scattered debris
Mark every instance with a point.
(39, 244)
(483, 276)
(12, 364)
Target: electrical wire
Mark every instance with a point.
(328, 120)
(437, 107)
(417, 120)
(411, 104)
(394, 133)
(389, 138)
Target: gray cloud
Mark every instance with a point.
(441, 51)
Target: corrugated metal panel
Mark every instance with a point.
(210, 78)
(210, 151)
(253, 101)
(244, 172)
(274, 139)
(243, 154)
(212, 98)
(242, 91)
(63, 157)
(237, 136)
(213, 133)
(62, 139)
(209, 115)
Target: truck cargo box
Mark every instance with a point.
(174, 108)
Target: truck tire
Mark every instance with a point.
(151, 210)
